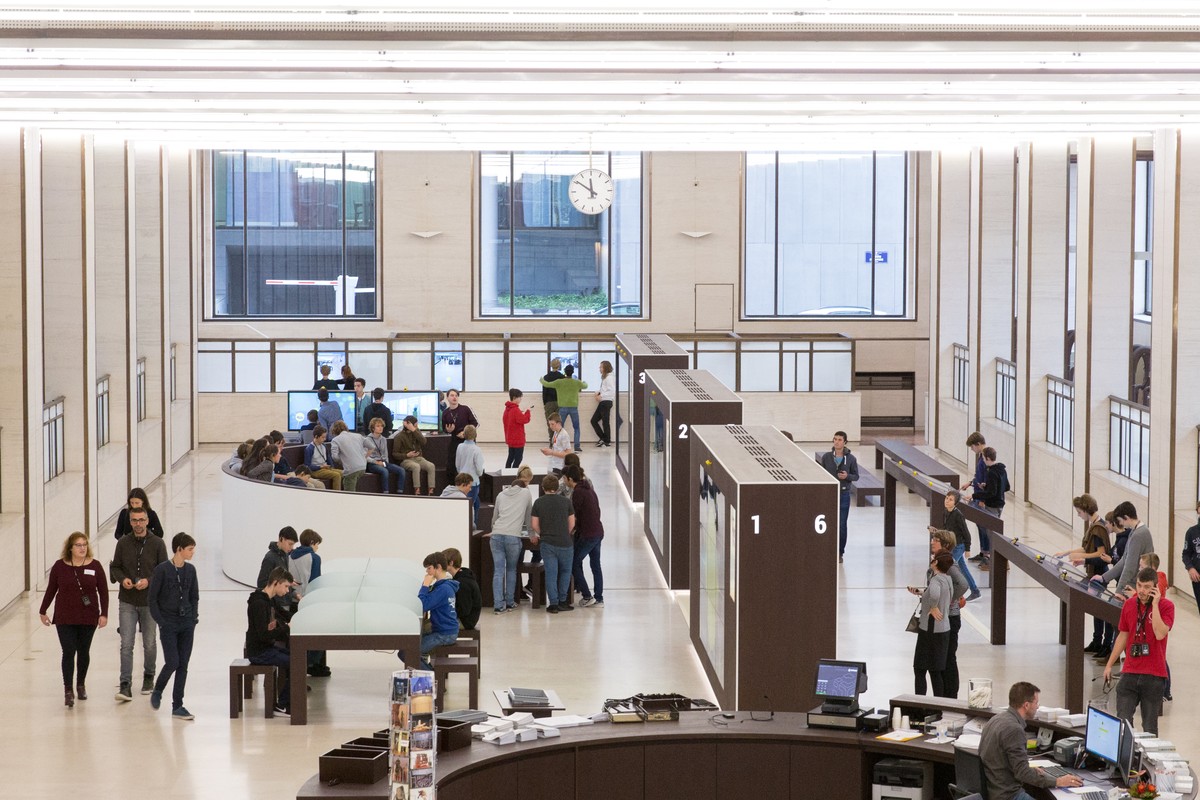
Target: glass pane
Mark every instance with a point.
(524, 370)
(890, 226)
(495, 208)
(760, 372)
(825, 233)
(627, 235)
(372, 368)
(411, 370)
(447, 370)
(760, 234)
(295, 371)
(484, 372)
(253, 372)
(656, 476)
(831, 372)
(723, 365)
(214, 372)
(590, 368)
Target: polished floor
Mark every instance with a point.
(637, 643)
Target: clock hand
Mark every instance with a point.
(589, 188)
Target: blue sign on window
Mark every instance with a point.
(881, 257)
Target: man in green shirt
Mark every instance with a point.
(568, 389)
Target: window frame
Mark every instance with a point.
(609, 214)
(909, 311)
(208, 280)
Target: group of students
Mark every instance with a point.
(158, 594)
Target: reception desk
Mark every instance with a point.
(703, 756)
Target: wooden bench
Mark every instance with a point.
(242, 675)
(866, 487)
(444, 666)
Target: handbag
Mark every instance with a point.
(914, 621)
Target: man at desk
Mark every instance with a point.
(1004, 755)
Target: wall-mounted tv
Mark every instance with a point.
(422, 405)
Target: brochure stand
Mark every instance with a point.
(413, 736)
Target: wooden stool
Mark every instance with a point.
(537, 581)
(241, 683)
(444, 665)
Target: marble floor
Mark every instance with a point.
(637, 643)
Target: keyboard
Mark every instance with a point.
(1091, 794)
(1055, 772)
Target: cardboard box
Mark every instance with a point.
(353, 765)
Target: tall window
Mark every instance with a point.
(103, 426)
(293, 234)
(825, 234)
(1143, 233)
(540, 255)
(140, 388)
(54, 451)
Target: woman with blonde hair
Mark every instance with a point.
(79, 590)
(606, 395)
(510, 519)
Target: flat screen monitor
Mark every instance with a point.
(1125, 754)
(839, 683)
(1103, 737)
(422, 405)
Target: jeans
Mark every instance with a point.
(177, 652)
(843, 520)
(76, 641)
(385, 471)
(429, 641)
(515, 456)
(600, 422)
(985, 542)
(506, 555)
(589, 549)
(1141, 690)
(558, 572)
(473, 496)
(959, 553)
(278, 657)
(131, 617)
(571, 412)
(1196, 591)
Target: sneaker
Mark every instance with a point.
(125, 693)
(147, 684)
(1103, 654)
(565, 607)
(182, 713)
(587, 601)
(155, 699)
(975, 595)
(499, 610)
(1094, 647)
(978, 558)
(551, 609)
(598, 604)
(280, 711)
(513, 607)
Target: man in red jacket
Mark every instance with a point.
(514, 421)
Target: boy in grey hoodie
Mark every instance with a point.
(510, 519)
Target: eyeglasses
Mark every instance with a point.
(80, 544)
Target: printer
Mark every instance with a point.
(902, 779)
(1067, 750)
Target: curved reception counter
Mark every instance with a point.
(352, 524)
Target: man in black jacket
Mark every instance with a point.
(957, 524)
(267, 635)
(468, 601)
(550, 396)
(991, 494)
(1191, 556)
(276, 557)
(137, 554)
(376, 409)
(839, 463)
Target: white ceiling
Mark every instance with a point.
(577, 76)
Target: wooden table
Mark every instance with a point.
(493, 481)
(507, 707)
(933, 490)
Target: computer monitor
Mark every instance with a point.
(1103, 737)
(1124, 766)
(839, 683)
(422, 405)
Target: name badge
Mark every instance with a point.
(89, 572)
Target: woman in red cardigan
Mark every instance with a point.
(77, 581)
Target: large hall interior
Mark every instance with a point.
(907, 225)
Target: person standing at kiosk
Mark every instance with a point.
(1146, 619)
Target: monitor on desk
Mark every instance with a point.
(1103, 737)
(839, 683)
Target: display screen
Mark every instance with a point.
(837, 679)
(422, 405)
(624, 431)
(712, 572)
(1103, 738)
(656, 477)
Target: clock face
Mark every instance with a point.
(591, 191)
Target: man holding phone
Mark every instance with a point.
(1146, 619)
(839, 463)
